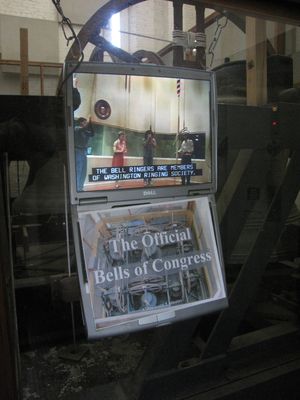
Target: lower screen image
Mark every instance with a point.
(149, 259)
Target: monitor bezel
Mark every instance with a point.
(132, 194)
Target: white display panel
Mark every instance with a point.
(146, 265)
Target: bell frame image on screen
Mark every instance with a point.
(140, 131)
(148, 265)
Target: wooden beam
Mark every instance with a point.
(178, 21)
(285, 11)
(279, 38)
(42, 79)
(32, 63)
(9, 360)
(200, 27)
(24, 61)
(256, 61)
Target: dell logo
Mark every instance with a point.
(149, 192)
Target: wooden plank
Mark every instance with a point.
(32, 63)
(256, 61)
(178, 18)
(9, 360)
(285, 11)
(200, 27)
(279, 38)
(24, 61)
(42, 79)
(232, 182)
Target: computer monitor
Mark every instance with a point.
(140, 131)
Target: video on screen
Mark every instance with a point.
(134, 131)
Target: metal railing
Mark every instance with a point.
(42, 66)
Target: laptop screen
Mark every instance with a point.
(140, 131)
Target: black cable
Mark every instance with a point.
(67, 24)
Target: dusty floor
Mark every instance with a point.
(47, 374)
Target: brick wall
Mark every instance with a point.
(40, 9)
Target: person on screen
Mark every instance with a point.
(119, 149)
(185, 152)
(76, 94)
(83, 131)
(149, 147)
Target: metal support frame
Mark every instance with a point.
(251, 273)
(243, 201)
